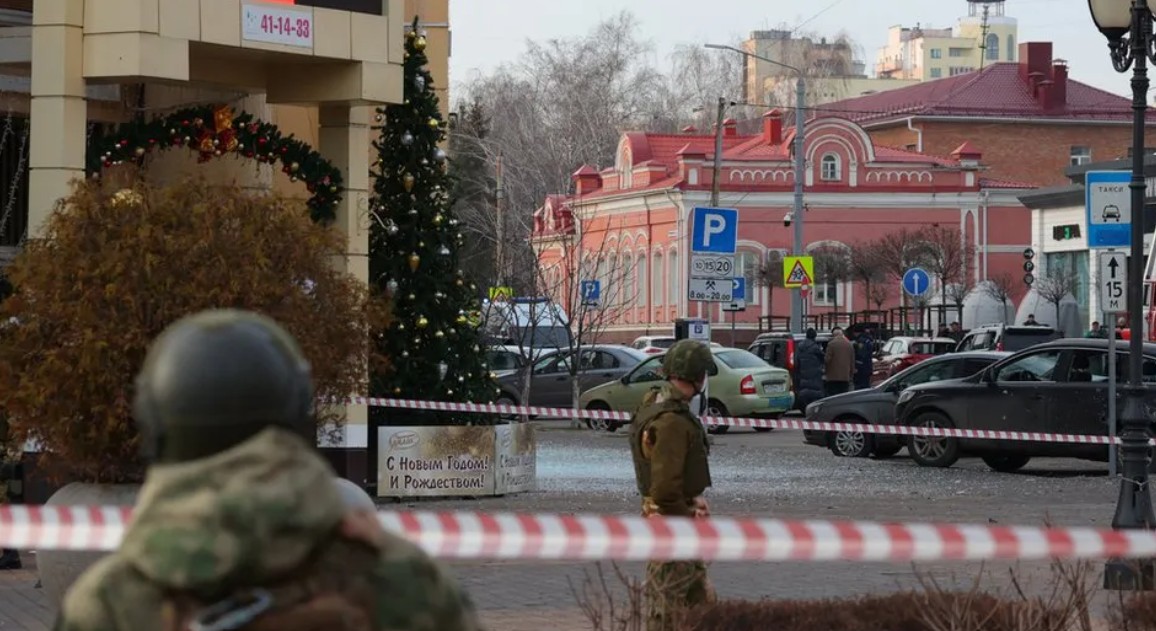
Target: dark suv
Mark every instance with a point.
(778, 349)
(1006, 337)
(1058, 387)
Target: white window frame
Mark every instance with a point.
(658, 280)
(672, 262)
(1079, 154)
(835, 173)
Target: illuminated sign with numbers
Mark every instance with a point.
(1066, 232)
(375, 7)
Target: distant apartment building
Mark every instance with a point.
(832, 69)
(985, 36)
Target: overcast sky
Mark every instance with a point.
(487, 33)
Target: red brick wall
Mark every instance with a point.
(1028, 153)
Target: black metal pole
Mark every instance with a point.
(1134, 507)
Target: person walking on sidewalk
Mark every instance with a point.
(809, 362)
(840, 363)
(240, 524)
(670, 450)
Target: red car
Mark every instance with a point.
(900, 353)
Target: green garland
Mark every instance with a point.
(213, 131)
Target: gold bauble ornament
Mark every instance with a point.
(462, 319)
(407, 181)
(438, 219)
(294, 167)
(433, 123)
(422, 322)
(460, 283)
(439, 334)
(414, 262)
(410, 34)
(419, 44)
(126, 197)
(397, 390)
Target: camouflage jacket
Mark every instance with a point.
(247, 516)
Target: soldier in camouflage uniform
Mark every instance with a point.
(240, 524)
(670, 452)
(11, 486)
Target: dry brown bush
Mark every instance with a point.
(615, 603)
(116, 267)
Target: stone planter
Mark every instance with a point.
(59, 569)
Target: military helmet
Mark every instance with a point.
(688, 360)
(212, 380)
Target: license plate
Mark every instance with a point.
(774, 387)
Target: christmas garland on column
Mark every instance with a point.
(213, 132)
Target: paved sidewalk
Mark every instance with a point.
(22, 605)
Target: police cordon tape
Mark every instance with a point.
(542, 537)
(897, 430)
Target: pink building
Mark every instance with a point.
(628, 225)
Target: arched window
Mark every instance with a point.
(829, 168)
(628, 293)
(747, 264)
(1011, 47)
(641, 289)
(992, 52)
(613, 285)
(656, 284)
(673, 276)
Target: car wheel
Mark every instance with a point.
(887, 452)
(600, 423)
(930, 451)
(850, 444)
(507, 399)
(1006, 463)
(714, 407)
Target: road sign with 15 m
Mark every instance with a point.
(1108, 204)
(712, 265)
(916, 282)
(1113, 282)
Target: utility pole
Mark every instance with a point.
(718, 149)
(800, 169)
(500, 221)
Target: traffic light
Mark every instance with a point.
(1029, 266)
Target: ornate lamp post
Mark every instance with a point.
(1128, 26)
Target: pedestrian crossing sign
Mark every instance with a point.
(798, 271)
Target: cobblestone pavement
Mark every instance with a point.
(770, 474)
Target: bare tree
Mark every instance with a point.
(905, 249)
(946, 257)
(878, 294)
(1058, 284)
(832, 266)
(999, 288)
(688, 92)
(866, 266)
(770, 275)
(958, 292)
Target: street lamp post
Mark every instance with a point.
(1128, 26)
(800, 172)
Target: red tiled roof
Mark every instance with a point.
(995, 91)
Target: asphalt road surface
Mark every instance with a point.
(776, 475)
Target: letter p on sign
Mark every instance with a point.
(714, 225)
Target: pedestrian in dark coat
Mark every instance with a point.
(839, 362)
(864, 360)
(809, 362)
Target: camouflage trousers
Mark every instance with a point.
(671, 589)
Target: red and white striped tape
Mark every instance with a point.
(468, 535)
(896, 430)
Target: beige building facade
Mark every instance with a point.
(317, 68)
(986, 35)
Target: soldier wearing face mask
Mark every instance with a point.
(670, 451)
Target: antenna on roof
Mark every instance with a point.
(985, 26)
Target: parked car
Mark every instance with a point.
(1006, 337)
(738, 384)
(900, 353)
(876, 406)
(505, 359)
(778, 349)
(655, 344)
(551, 382)
(1058, 387)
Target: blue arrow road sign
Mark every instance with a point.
(916, 282)
(714, 230)
(738, 288)
(591, 290)
(1108, 208)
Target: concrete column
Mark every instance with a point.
(344, 140)
(59, 111)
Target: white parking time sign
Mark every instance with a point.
(1113, 282)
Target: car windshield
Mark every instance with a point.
(662, 342)
(740, 359)
(931, 348)
(503, 360)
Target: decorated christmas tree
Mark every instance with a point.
(433, 344)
